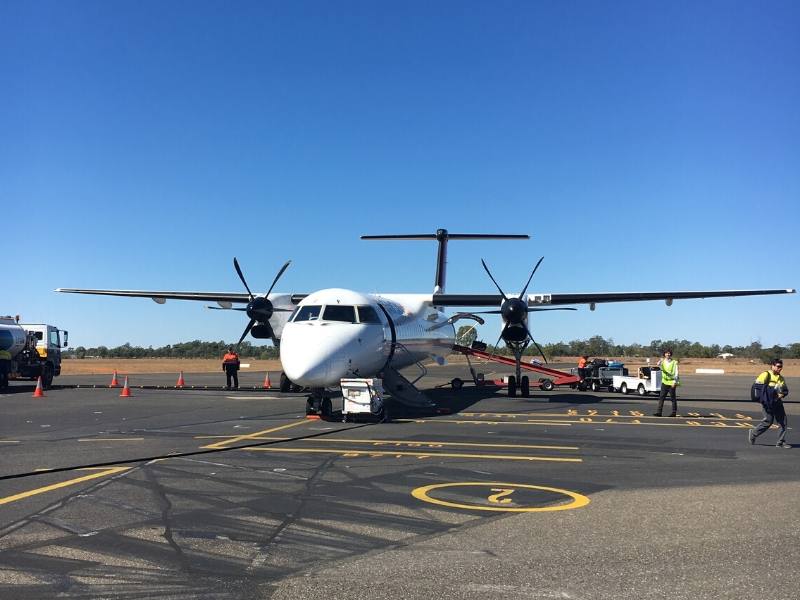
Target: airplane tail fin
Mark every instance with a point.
(443, 236)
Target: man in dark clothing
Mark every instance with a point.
(773, 390)
(230, 364)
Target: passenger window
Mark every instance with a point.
(367, 314)
(307, 313)
(334, 312)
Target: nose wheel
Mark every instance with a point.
(319, 403)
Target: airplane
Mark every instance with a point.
(331, 334)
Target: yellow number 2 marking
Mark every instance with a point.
(498, 498)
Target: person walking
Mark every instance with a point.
(669, 382)
(230, 364)
(582, 362)
(773, 391)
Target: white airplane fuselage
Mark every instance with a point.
(337, 333)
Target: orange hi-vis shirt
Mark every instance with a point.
(230, 358)
(582, 363)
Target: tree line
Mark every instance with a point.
(595, 346)
(598, 346)
(193, 349)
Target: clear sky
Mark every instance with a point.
(643, 145)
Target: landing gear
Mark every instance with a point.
(525, 387)
(512, 386)
(319, 403)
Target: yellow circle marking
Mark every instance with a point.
(578, 500)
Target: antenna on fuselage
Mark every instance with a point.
(442, 236)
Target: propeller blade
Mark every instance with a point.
(501, 336)
(246, 331)
(278, 276)
(525, 289)
(489, 273)
(239, 271)
(538, 347)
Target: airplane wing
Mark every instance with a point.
(163, 296)
(595, 297)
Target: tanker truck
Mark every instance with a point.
(30, 351)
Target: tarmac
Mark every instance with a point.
(213, 493)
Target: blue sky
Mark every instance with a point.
(643, 146)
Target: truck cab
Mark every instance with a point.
(48, 343)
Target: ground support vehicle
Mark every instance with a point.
(35, 350)
(553, 377)
(599, 375)
(363, 397)
(647, 380)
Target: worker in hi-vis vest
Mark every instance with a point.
(669, 382)
(773, 391)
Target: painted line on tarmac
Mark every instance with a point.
(425, 443)
(593, 421)
(502, 491)
(252, 436)
(63, 484)
(633, 414)
(110, 439)
(9, 441)
(476, 422)
(346, 453)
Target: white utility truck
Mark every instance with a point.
(30, 351)
(363, 397)
(647, 380)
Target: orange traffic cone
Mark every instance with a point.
(126, 391)
(38, 392)
(181, 382)
(114, 383)
(267, 382)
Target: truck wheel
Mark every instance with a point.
(525, 387)
(285, 383)
(547, 385)
(623, 388)
(47, 376)
(641, 390)
(457, 383)
(512, 387)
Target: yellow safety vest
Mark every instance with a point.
(669, 372)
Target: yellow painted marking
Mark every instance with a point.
(657, 422)
(499, 497)
(634, 414)
(578, 500)
(63, 484)
(474, 422)
(110, 439)
(423, 444)
(251, 436)
(399, 453)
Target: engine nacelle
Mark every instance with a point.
(515, 334)
(262, 331)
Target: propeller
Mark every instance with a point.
(259, 308)
(515, 311)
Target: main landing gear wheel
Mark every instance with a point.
(326, 408)
(512, 387)
(525, 387)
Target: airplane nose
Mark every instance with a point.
(316, 355)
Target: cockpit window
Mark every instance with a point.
(336, 312)
(307, 313)
(367, 314)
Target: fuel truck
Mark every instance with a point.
(30, 351)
